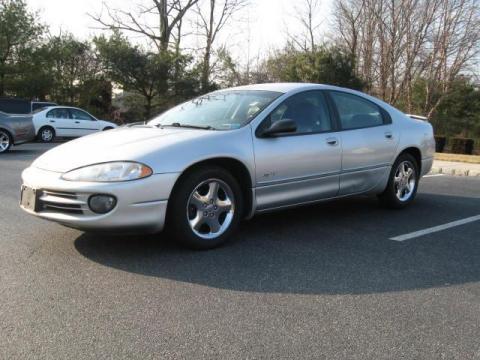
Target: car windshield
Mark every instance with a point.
(221, 110)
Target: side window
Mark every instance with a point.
(309, 111)
(355, 112)
(58, 114)
(80, 115)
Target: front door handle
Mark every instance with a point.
(389, 135)
(332, 141)
(77, 122)
(52, 121)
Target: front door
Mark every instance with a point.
(298, 167)
(83, 122)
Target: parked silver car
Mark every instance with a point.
(15, 130)
(204, 165)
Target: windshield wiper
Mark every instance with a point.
(188, 126)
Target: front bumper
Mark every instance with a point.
(141, 204)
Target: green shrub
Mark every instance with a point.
(462, 146)
(440, 142)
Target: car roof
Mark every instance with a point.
(285, 87)
(60, 106)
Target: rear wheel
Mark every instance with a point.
(5, 141)
(108, 128)
(402, 184)
(206, 207)
(46, 134)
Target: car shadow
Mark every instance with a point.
(340, 247)
(18, 151)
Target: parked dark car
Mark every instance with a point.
(15, 130)
(21, 106)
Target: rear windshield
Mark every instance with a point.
(39, 106)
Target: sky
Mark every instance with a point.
(269, 21)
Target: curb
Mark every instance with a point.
(455, 171)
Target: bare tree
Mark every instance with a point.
(396, 42)
(168, 15)
(454, 41)
(308, 16)
(349, 16)
(212, 17)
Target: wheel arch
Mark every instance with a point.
(9, 133)
(416, 153)
(46, 126)
(235, 167)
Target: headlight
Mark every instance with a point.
(109, 172)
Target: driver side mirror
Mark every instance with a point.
(279, 127)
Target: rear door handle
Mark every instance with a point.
(77, 122)
(389, 135)
(52, 121)
(332, 141)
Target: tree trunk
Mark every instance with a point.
(2, 84)
(148, 107)
(205, 78)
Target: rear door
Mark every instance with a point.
(369, 141)
(84, 123)
(59, 119)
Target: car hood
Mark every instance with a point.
(106, 122)
(125, 143)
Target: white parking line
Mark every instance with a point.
(435, 229)
(433, 175)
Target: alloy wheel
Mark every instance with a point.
(405, 181)
(4, 141)
(210, 209)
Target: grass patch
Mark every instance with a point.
(471, 159)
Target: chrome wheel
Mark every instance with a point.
(46, 135)
(4, 141)
(405, 181)
(210, 209)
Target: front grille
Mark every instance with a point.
(61, 202)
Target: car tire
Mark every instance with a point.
(6, 141)
(402, 183)
(46, 134)
(205, 208)
(108, 128)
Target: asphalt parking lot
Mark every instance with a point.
(319, 282)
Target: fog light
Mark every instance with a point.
(102, 204)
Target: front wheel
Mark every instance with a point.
(402, 184)
(206, 207)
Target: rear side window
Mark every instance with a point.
(58, 114)
(355, 112)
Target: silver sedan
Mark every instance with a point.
(15, 130)
(203, 166)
